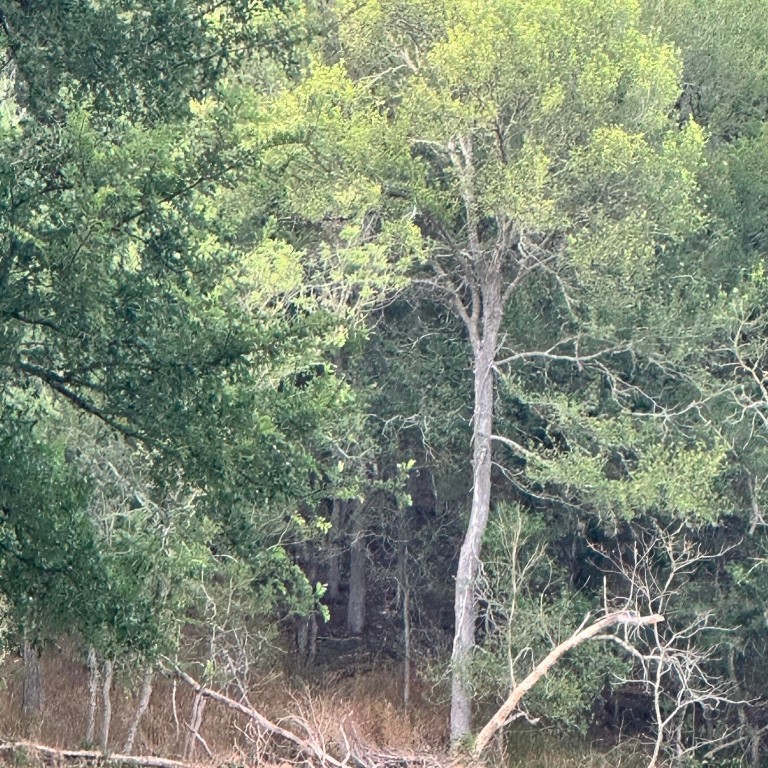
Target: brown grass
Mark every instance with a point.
(365, 708)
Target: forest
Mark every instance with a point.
(384, 383)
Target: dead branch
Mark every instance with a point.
(673, 664)
(507, 709)
(305, 747)
(65, 756)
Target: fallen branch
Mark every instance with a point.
(506, 710)
(304, 747)
(58, 756)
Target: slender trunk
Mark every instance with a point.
(175, 711)
(306, 624)
(302, 638)
(312, 643)
(465, 608)
(144, 696)
(195, 721)
(406, 605)
(358, 564)
(94, 679)
(306, 638)
(334, 556)
(106, 700)
(32, 693)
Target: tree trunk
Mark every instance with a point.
(144, 696)
(465, 608)
(32, 693)
(106, 701)
(306, 638)
(94, 678)
(195, 722)
(405, 597)
(358, 564)
(334, 553)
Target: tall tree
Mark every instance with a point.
(532, 147)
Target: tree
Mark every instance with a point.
(136, 291)
(532, 147)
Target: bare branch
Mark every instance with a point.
(507, 709)
(517, 448)
(304, 746)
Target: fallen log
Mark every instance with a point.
(55, 756)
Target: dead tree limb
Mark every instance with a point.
(87, 757)
(506, 710)
(304, 747)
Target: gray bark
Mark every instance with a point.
(32, 689)
(94, 679)
(195, 721)
(106, 702)
(358, 564)
(508, 708)
(484, 339)
(141, 708)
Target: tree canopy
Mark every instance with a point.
(293, 295)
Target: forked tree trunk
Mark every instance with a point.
(144, 697)
(465, 607)
(358, 564)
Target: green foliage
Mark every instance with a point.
(531, 608)
(137, 287)
(723, 50)
(230, 232)
(587, 168)
(51, 567)
(121, 55)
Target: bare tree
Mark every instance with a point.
(670, 650)
(509, 709)
(675, 662)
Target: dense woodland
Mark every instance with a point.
(424, 336)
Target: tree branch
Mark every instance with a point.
(87, 757)
(59, 384)
(500, 719)
(304, 746)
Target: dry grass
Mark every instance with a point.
(338, 711)
(366, 707)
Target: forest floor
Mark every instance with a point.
(366, 705)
